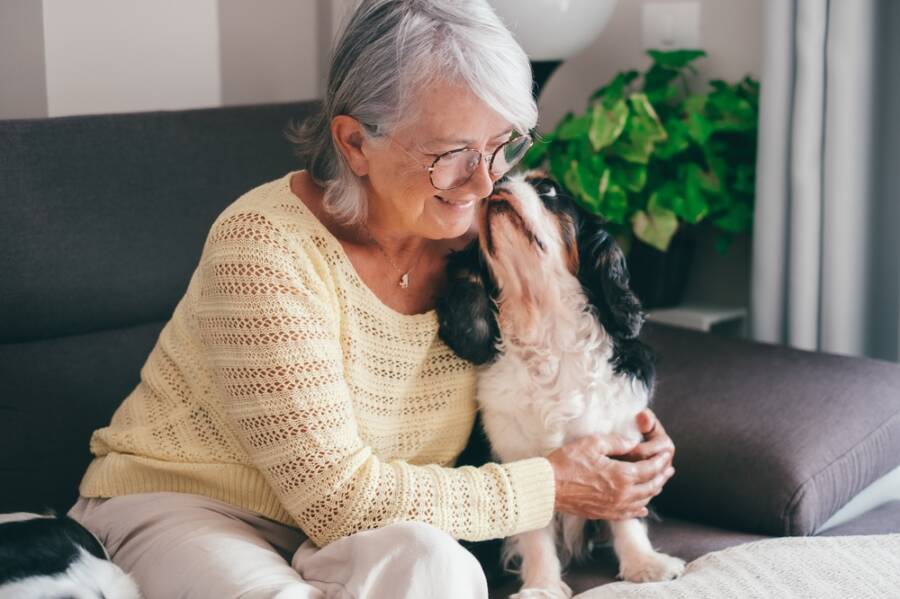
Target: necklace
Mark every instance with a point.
(404, 276)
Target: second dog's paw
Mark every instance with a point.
(651, 567)
(562, 591)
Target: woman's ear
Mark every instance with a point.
(466, 311)
(604, 278)
(349, 136)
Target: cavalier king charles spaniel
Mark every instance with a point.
(542, 301)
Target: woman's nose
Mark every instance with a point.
(481, 183)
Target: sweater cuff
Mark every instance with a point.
(534, 487)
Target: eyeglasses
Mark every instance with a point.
(454, 168)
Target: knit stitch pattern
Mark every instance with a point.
(283, 385)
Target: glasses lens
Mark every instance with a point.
(454, 168)
(509, 154)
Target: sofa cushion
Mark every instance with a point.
(103, 217)
(768, 439)
(53, 394)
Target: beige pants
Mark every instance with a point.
(177, 545)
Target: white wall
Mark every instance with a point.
(23, 91)
(130, 55)
(66, 57)
(269, 50)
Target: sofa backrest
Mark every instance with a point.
(102, 220)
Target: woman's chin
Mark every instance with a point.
(455, 217)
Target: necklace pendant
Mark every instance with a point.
(404, 280)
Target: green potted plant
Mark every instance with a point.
(655, 160)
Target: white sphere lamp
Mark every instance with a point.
(551, 31)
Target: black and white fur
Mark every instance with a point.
(542, 301)
(49, 557)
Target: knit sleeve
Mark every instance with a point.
(270, 329)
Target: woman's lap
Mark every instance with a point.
(181, 545)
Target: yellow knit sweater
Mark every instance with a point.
(283, 385)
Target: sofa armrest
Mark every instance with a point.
(770, 440)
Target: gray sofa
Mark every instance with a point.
(102, 219)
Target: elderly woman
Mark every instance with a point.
(296, 425)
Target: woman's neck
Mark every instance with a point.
(425, 282)
(400, 246)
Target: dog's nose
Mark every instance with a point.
(499, 195)
(500, 186)
(500, 191)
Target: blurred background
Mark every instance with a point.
(811, 259)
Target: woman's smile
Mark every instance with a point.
(455, 206)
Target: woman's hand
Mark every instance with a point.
(655, 441)
(591, 484)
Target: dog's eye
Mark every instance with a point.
(546, 188)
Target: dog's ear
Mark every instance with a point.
(466, 310)
(604, 277)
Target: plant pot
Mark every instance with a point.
(660, 278)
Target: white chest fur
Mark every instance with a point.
(537, 398)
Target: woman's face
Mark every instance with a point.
(401, 195)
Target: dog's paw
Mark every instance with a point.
(651, 567)
(560, 591)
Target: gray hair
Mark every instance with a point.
(386, 51)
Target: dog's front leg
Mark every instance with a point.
(638, 561)
(541, 572)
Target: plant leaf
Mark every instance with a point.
(570, 179)
(737, 220)
(614, 91)
(677, 140)
(700, 128)
(589, 185)
(607, 124)
(647, 121)
(663, 93)
(745, 178)
(574, 128)
(656, 226)
(537, 152)
(658, 78)
(615, 204)
(675, 58)
(642, 131)
(559, 164)
(630, 176)
(632, 150)
(695, 207)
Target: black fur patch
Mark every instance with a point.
(42, 547)
(466, 312)
(604, 277)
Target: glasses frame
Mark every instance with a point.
(481, 156)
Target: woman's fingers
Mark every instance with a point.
(650, 448)
(656, 439)
(646, 491)
(646, 470)
(646, 421)
(613, 445)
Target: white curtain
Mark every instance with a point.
(826, 241)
